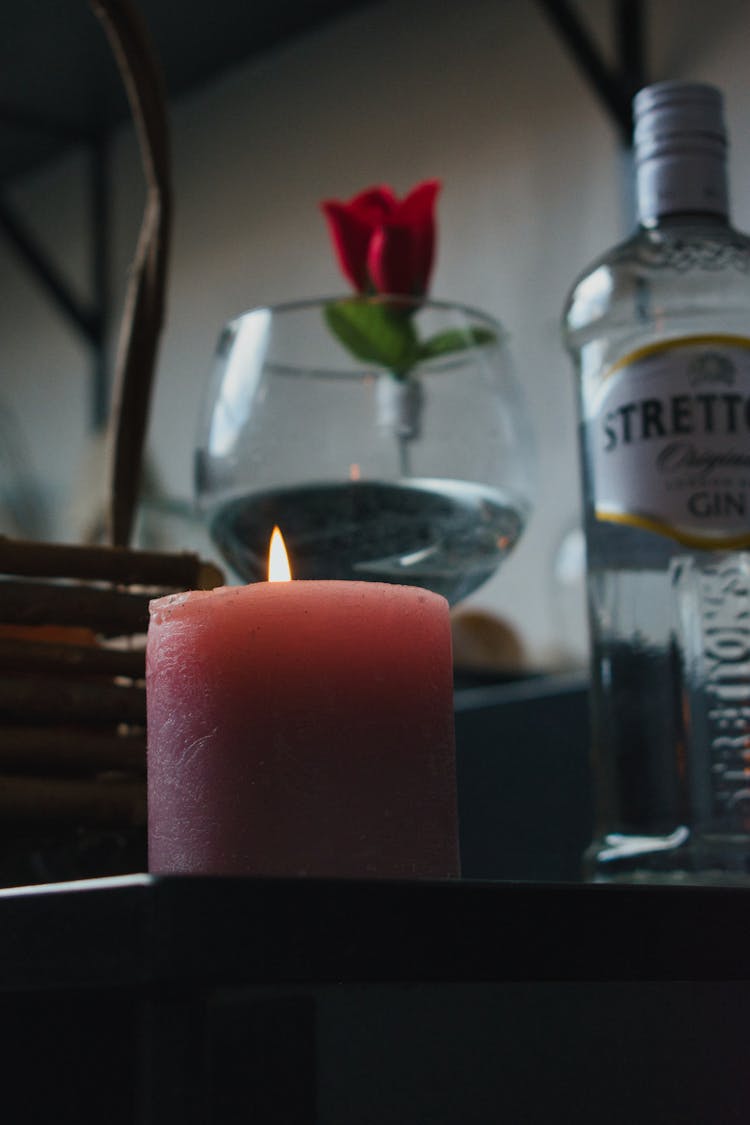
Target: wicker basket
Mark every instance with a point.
(72, 692)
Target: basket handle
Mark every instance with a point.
(143, 313)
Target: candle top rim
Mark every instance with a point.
(390, 590)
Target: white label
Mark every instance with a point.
(669, 441)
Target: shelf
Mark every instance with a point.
(143, 929)
(309, 1002)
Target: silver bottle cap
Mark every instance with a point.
(680, 150)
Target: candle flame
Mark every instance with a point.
(279, 569)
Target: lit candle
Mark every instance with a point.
(302, 728)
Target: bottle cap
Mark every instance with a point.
(675, 115)
(680, 147)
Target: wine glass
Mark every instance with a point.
(386, 437)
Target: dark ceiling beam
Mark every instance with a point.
(614, 87)
(90, 319)
(86, 319)
(630, 32)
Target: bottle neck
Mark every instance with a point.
(679, 183)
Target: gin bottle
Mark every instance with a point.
(659, 333)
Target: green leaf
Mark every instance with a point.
(455, 340)
(374, 333)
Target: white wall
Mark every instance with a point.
(481, 94)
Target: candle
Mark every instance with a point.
(301, 728)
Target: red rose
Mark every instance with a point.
(386, 245)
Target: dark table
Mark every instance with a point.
(160, 1000)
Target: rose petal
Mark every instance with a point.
(351, 236)
(419, 204)
(375, 203)
(422, 255)
(417, 212)
(390, 261)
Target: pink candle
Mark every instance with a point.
(302, 728)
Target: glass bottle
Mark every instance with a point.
(659, 332)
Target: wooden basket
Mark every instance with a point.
(73, 625)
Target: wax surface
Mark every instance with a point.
(302, 728)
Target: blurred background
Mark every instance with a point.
(275, 106)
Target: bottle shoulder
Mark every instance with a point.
(682, 247)
(668, 269)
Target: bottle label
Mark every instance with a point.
(669, 441)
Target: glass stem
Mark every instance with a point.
(404, 460)
(399, 405)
